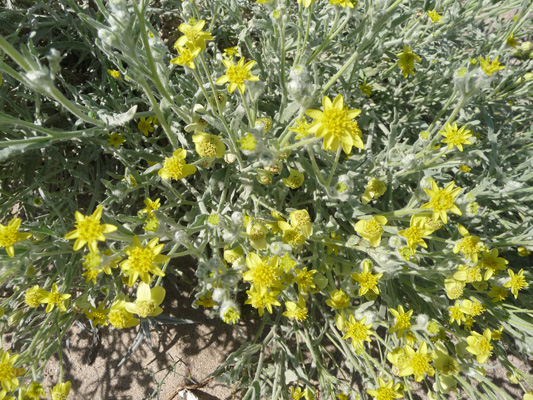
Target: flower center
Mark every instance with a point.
(117, 319)
(518, 282)
(207, 148)
(89, 229)
(264, 275)
(469, 245)
(142, 259)
(442, 201)
(420, 364)
(483, 346)
(403, 321)
(358, 332)
(6, 372)
(368, 280)
(414, 234)
(8, 236)
(145, 308)
(385, 393)
(237, 74)
(373, 228)
(54, 298)
(335, 121)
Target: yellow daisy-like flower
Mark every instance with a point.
(419, 363)
(89, 231)
(8, 372)
(248, 142)
(386, 391)
(358, 331)
(34, 295)
(118, 316)
(511, 41)
(298, 311)
(492, 263)
(175, 167)
(294, 180)
(145, 125)
(407, 61)
(304, 279)
(99, 315)
(302, 128)
(456, 314)
(367, 280)
(186, 56)
(434, 16)
(490, 67)
(366, 89)
(403, 321)
(374, 190)
(34, 391)
(206, 301)
(141, 261)
(372, 229)
(416, 232)
(193, 36)
(230, 52)
(54, 298)
(334, 124)
(300, 219)
(208, 146)
(469, 246)
(151, 206)
(61, 391)
(115, 139)
(237, 75)
(9, 235)
(455, 137)
(256, 232)
(480, 346)
(261, 298)
(338, 300)
(114, 73)
(442, 201)
(517, 282)
(147, 302)
(263, 272)
(497, 293)
(445, 364)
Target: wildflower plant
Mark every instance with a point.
(310, 199)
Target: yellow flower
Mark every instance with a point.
(456, 314)
(338, 300)
(175, 167)
(248, 142)
(263, 272)
(492, 263)
(141, 261)
(407, 61)
(403, 321)
(445, 364)
(296, 393)
(54, 298)
(229, 52)
(358, 331)
(306, 3)
(61, 391)
(455, 137)
(206, 301)
(419, 363)
(442, 201)
(468, 274)
(334, 125)
(34, 295)
(480, 346)
(186, 56)
(517, 282)
(416, 232)
(145, 125)
(302, 128)
(490, 67)
(118, 316)
(9, 235)
(472, 308)
(151, 206)
(304, 278)
(469, 246)
(367, 280)
(435, 16)
(511, 41)
(300, 219)
(114, 73)
(147, 302)
(497, 293)
(232, 255)
(523, 252)
(261, 298)
(372, 229)
(386, 391)
(298, 311)
(193, 36)
(292, 235)
(294, 180)
(454, 288)
(342, 3)
(366, 89)
(208, 146)
(231, 316)
(465, 168)
(256, 233)
(237, 74)
(99, 315)
(89, 231)
(32, 392)
(115, 139)
(374, 190)
(8, 373)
